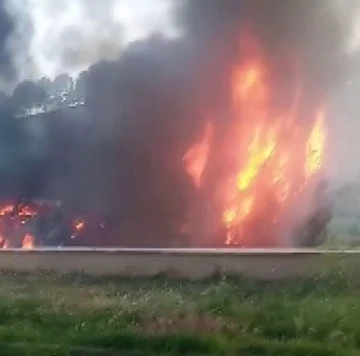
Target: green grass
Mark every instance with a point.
(46, 314)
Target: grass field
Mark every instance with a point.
(45, 314)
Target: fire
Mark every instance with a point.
(13, 220)
(195, 159)
(79, 225)
(28, 242)
(22, 211)
(28, 226)
(315, 146)
(78, 228)
(7, 209)
(272, 154)
(261, 148)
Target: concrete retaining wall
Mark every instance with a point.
(184, 263)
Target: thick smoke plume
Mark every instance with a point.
(49, 38)
(146, 108)
(315, 31)
(303, 42)
(167, 88)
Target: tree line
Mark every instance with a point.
(44, 95)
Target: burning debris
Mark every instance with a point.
(39, 224)
(15, 230)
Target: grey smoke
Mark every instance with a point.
(46, 38)
(52, 37)
(156, 94)
(7, 70)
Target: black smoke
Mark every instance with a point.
(121, 154)
(310, 33)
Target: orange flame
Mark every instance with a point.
(21, 214)
(195, 159)
(79, 225)
(274, 156)
(7, 209)
(28, 242)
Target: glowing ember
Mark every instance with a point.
(7, 209)
(78, 228)
(79, 225)
(21, 211)
(271, 157)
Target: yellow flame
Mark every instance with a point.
(259, 153)
(315, 146)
